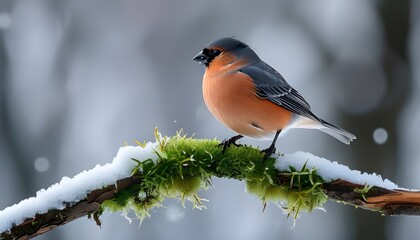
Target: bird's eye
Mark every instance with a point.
(216, 52)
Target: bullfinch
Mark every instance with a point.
(251, 98)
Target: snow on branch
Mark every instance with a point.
(140, 177)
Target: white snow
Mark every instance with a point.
(71, 190)
(330, 171)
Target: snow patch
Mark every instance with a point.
(331, 171)
(72, 190)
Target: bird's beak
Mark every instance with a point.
(201, 58)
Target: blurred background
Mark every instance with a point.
(78, 78)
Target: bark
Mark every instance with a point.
(388, 202)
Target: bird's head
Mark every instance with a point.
(226, 51)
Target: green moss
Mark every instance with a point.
(302, 192)
(186, 165)
(266, 192)
(363, 191)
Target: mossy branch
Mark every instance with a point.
(186, 165)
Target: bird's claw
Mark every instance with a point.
(231, 141)
(268, 152)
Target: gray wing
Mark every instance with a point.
(272, 86)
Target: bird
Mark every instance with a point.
(251, 98)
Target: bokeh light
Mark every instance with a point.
(380, 136)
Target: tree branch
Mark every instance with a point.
(388, 202)
(185, 165)
(91, 206)
(377, 199)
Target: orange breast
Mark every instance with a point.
(231, 98)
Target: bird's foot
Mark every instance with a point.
(231, 141)
(268, 152)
